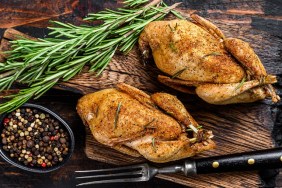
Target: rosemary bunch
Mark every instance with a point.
(42, 63)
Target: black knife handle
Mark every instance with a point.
(255, 160)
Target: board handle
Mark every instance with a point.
(255, 160)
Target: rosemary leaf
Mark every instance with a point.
(171, 29)
(153, 143)
(174, 28)
(241, 83)
(212, 54)
(177, 14)
(147, 126)
(193, 140)
(117, 115)
(172, 46)
(178, 73)
(97, 111)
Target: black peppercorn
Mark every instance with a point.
(63, 140)
(51, 128)
(5, 148)
(56, 159)
(36, 152)
(41, 143)
(30, 144)
(44, 134)
(4, 141)
(31, 118)
(49, 157)
(46, 138)
(34, 162)
(37, 135)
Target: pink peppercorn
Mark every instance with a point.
(43, 165)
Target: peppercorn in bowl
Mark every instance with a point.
(35, 139)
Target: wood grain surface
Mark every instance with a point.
(237, 128)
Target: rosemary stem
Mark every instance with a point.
(8, 73)
(42, 63)
(153, 3)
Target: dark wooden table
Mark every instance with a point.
(262, 17)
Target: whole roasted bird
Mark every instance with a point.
(200, 60)
(157, 127)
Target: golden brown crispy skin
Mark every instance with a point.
(201, 53)
(200, 60)
(139, 129)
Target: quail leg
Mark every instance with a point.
(137, 94)
(232, 93)
(209, 26)
(174, 107)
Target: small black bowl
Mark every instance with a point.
(4, 154)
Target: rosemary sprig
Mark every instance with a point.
(68, 48)
(178, 73)
(117, 115)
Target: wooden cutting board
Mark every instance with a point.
(237, 128)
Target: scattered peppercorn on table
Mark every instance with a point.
(237, 128)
